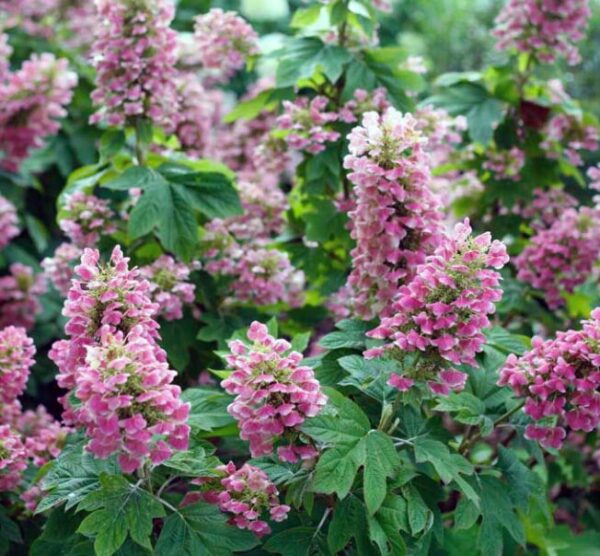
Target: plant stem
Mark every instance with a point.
(468, 442)
(139, 147)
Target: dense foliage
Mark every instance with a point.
(273, 289)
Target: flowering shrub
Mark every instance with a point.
(276, 284)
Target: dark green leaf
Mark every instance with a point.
(381, 460)
(201, 530)
(119, 508)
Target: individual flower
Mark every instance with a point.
(16, 358)
(223, 42)
(274, 394)
(505, 165)
(134, 54)
(567, 135)
(441, 312)
(559, 379)
(129, 405)
(247, 494)
(170, 288)
(19, 296)
(58, 269)
(545, 29)
(562, 256)
(8, 222)
(86, 217)
(43, 436)
(397, 219)
(12, 459)
(306, 121)
(32, 99)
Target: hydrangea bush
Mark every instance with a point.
(303, 299)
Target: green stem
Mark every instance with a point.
(468, 442)
(140, 154)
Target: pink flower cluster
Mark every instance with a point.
(264, 209)
(505, 165)
(12, 459)
(16, 357)
(5, 53)
(31, 15)
(86, 217)
(443, 132)
(8, 222)
(247, 494)
(545, 29)
(560, 380)
(224, 41)
(364, 101)
(169, 286)
(200, 113)
(441, 313)
(31, 101)
(546, 207)
(129, 405)
(19, 296)
(594, 175)
(397, 219)
(43, 436)
(274, 394)
(58, 269)
(562, 256)
(261, 275)
(566, 135)
(29, 435)
(306, 121)
(114, 366)
(134, 54)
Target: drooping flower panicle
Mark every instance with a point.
(113, 365)
(274, 394)
(85, 218)
(59, 269)
(32, 99)
(9, 221)
(134, 54)
(442, 311)
(223, 42)
(19, 296)
(16, 358)
(170, 288)
(247, 494)
(397, 219)
(562, 256)
(560, 380)
(545, 29)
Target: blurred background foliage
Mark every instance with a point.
(452, 35)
